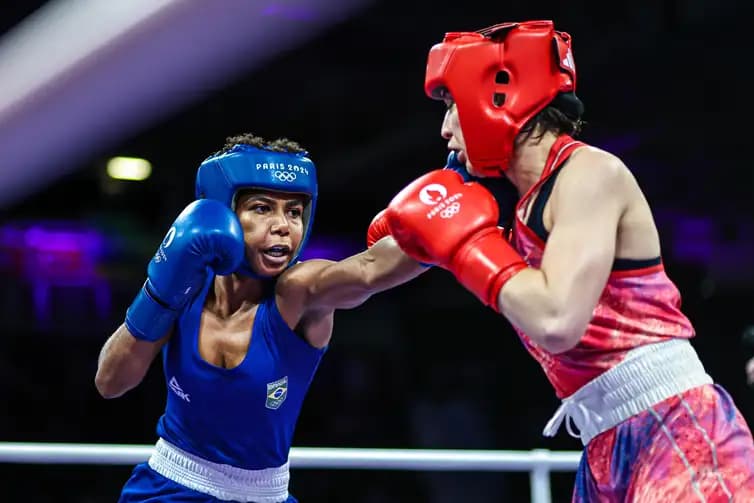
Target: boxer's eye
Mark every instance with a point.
(259, 208)
(295, 212)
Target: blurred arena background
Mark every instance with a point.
(82, 81)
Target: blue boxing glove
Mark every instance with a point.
(206, 236)
(454, 164)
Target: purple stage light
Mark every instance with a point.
(330, 248)
(60, 252)
(292, 12)
(52, 255)
(694, 239)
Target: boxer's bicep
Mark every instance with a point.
(554, 303)
(586, 206)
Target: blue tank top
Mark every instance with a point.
(244, 416)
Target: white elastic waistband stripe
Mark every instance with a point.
(224, 482)
(647, 376)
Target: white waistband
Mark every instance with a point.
(224, 482)
(648, 375)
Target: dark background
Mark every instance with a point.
(666, 87)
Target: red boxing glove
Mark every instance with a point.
(378, 229)
(442, 220)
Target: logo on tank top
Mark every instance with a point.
(277, 392)
(176, 388)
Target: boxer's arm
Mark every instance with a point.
(554, 304)
(124, 361)
(350, 282)
(324, 286)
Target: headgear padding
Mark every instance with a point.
(499, 78)
(222, 176)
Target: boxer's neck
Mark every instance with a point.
(529, 160)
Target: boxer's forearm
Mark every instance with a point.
(123, 362)
(350, 282)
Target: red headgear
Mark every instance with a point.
(499, 78)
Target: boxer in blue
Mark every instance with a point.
(241, 323)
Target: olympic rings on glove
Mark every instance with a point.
(451, 210)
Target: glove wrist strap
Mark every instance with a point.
(485, 264)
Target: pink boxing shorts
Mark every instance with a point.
(691, 447)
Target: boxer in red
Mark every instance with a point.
(579, 273)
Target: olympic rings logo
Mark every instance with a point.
(284, 176)
(451, 210)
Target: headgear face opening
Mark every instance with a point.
(499, 78)
(222, 176)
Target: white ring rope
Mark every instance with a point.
(538, 462)
(311, 457)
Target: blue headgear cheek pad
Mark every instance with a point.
(222, 176)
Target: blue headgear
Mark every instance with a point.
(222, 176)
